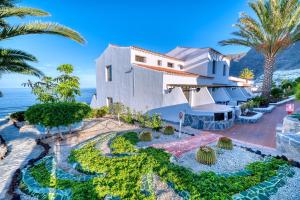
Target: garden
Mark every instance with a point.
(129, 172)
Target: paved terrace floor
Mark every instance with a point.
(262, 132)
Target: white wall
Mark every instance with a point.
(151, 59)
(175, 97)
(201, 98)
(135, 87)
(219, 94)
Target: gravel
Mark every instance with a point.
(162, 139)
(291, 190)
(227, 160)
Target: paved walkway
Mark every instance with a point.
(262, 132)
(179, 147)
(22, 148)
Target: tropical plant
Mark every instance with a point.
(51, 115)
(145, 136)
(225, 143)
(62, 88)
(206, 155)
(247, 74)
(276, 93)
(275, 27)
(128, 116)
(261, 101)
(16, 61)
(155, 122)
(169, 130)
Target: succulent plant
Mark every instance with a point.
(169, 130)
(206, 155)
(225, 143)
(145, 136)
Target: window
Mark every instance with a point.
(224, 70)
(140, 59)
(180, 66)
(109, 101)
(214, 67)
(229, 115)
(159, 62)
(108, 73)
(219, 117)
(170, 65)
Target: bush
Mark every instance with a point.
(99, 112)
(18, 116)
(58, 114)
(145, 136)
(276, 93)
(132, 137)
(155, 122)
(206, 155)
(127, 117)
(261, 101)
(169, 130)
(225, 143)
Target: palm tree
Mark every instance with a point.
(275, 27)
(16, 61)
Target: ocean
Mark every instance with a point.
(19, 99)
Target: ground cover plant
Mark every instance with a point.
(124, 174)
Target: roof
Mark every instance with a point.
(170, 71)
(155, 53)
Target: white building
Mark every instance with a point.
(194, 80)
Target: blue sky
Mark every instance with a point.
(155, 25)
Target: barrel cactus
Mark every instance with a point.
(145, 136)
(169, 130)
(206, 155)
(225, 143)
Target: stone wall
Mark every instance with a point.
(206, 122)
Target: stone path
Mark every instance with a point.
(263, 132)
(22, 148)
(179, 147)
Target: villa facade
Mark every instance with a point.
(193, 80)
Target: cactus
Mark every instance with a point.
(206, 155)
(145, 136)
(169, 130)
(225, 143)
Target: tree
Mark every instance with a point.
(247, 74)
(63, 88)
(275, 27)
(16, 61)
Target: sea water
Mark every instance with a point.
(19, 99)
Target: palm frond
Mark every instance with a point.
(19, 67)
(40, 28)
(16, 55)
(21, 12)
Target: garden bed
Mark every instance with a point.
(250, 119)
(228, 161)
(291, 98)
(268, 109)
(127, 162)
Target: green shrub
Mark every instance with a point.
(297, 94)
(18, 116)
(225, 143)
(145, 136)
(276, 93)
(206, 155)
(132, 137)
(98, 112)
(58, 114)
(155, 122)
(169, 130)
(127, 117)
(122, 145)
(261, 101)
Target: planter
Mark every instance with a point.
(268, 109)
(249, 119)
(291, 98)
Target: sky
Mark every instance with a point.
(157, 25)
